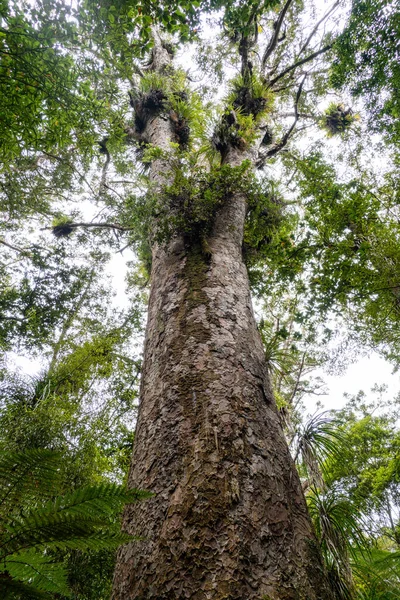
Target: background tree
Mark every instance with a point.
(79, 402)
(368, 65)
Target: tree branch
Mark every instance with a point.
(297, 383)
(104, 150)
(246, 43)
(16, 248)
(115, 226)
(124, 248)
(301, 115)
(274, 40)
(277, 147)
(299, 63)
(67, 324)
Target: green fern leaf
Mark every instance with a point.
(32, 473)
(39, 570)
(12, 589)
(36, 520)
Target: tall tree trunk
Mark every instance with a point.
(228, 518)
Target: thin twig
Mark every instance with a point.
(124, 248)
(100, 225)
(314, 31)
(16, 248)
(277, 147)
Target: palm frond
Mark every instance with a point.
(340, 583)
(338, 523)
(319, 438)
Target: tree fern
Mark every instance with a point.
(36, 522)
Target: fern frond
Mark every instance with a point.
(379, 574)
(50, 529)
(30, 473)
(70, 519)
(97, 501)
(84, 519)
(69, 537)
(12, 589)
(96, 541)
(39, 570)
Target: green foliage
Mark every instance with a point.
(84, 395)
(354, 495)
(367, 62)
(69, 136)
(344, 252)
(172, 82)
(59, 410)
(316, 440)
(36, 522)
(249, 96)
(239, 17)
(188, 205)
(90, 573)
(377, 575)
(367, 466)
(247, 102)
(127, 26)
(338, 529)
(62, 226)
(54, 57)
(46, 105)
(169, 94)
(265, 224)
(35, 295)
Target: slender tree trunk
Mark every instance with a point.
(228, 519)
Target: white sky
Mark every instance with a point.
(361, 375)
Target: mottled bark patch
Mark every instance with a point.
(228, 520)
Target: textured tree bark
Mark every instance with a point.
(228, 519)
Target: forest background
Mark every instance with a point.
(321, 247)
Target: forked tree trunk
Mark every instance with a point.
(228, 519)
